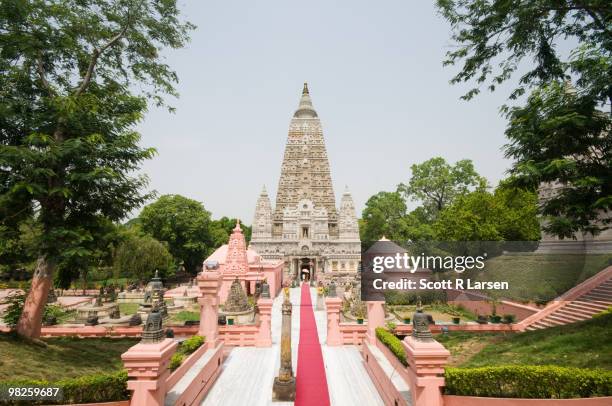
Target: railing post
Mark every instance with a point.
(333, 305)
(209, 283)
(376, 318)
(264, 335)
(148, 364)
(426, 361)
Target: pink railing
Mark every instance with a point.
(352, 333)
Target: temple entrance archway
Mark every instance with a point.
(306, 267)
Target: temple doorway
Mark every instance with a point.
(306, 270)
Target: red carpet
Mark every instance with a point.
(311, 383)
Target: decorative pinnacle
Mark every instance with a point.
(305, 91)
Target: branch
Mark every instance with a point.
(41, 73)
(96, 54)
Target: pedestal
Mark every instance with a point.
(148, 364)
(209, 283)
(264, 336)
(334, 337)
(283, 390)
(376, 318)
(426, 361)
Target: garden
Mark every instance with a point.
(568, 361)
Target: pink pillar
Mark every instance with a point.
(376, 318)
(264, 335)
(148, 364)
(209, 284)
(426, 361)
(333, 305)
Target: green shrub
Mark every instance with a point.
(528, 381)
(604, 313)
(187, 347)
(176, 360)
(393, 343)
(13, 311)
(509, 318)
(84, 389)
(191, 344)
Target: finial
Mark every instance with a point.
(237, 228)
(305, 91)
(263, 190)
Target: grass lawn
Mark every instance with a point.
(585, 344)
(128, 308)
(439, 312)
(184, 315)
(62, 358)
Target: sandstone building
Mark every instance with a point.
(316, 239)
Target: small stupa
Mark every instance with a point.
(237, 300)
(237, 306)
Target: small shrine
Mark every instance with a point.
(237, 262)
(236, 307)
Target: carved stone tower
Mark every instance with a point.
(305, 229)
(305, 170)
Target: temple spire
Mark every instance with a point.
(305, 109)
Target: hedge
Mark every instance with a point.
(186, 348)
(84, 389)
(393, 343)
(528, 381)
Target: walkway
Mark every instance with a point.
(248, 373)
(347, 379)
(311, 385)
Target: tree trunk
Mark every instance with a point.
(30, 321)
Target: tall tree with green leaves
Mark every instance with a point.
(508, 214)
(561, 136)
(435, 183)
(139, 256)
(182, 223)
(222, 228)
(69, 71)
(493, 38)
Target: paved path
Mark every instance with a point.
(248, 373)
(348, 381)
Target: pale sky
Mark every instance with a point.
(376, 79)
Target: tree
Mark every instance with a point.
(221, 229)
(494, 37)
(183, 224)
(139, 256)
(519, 218)
(68, 73)
(508, 214)
(436, 184)
(383, 217)
(560, 138)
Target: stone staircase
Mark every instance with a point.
(594, 300)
